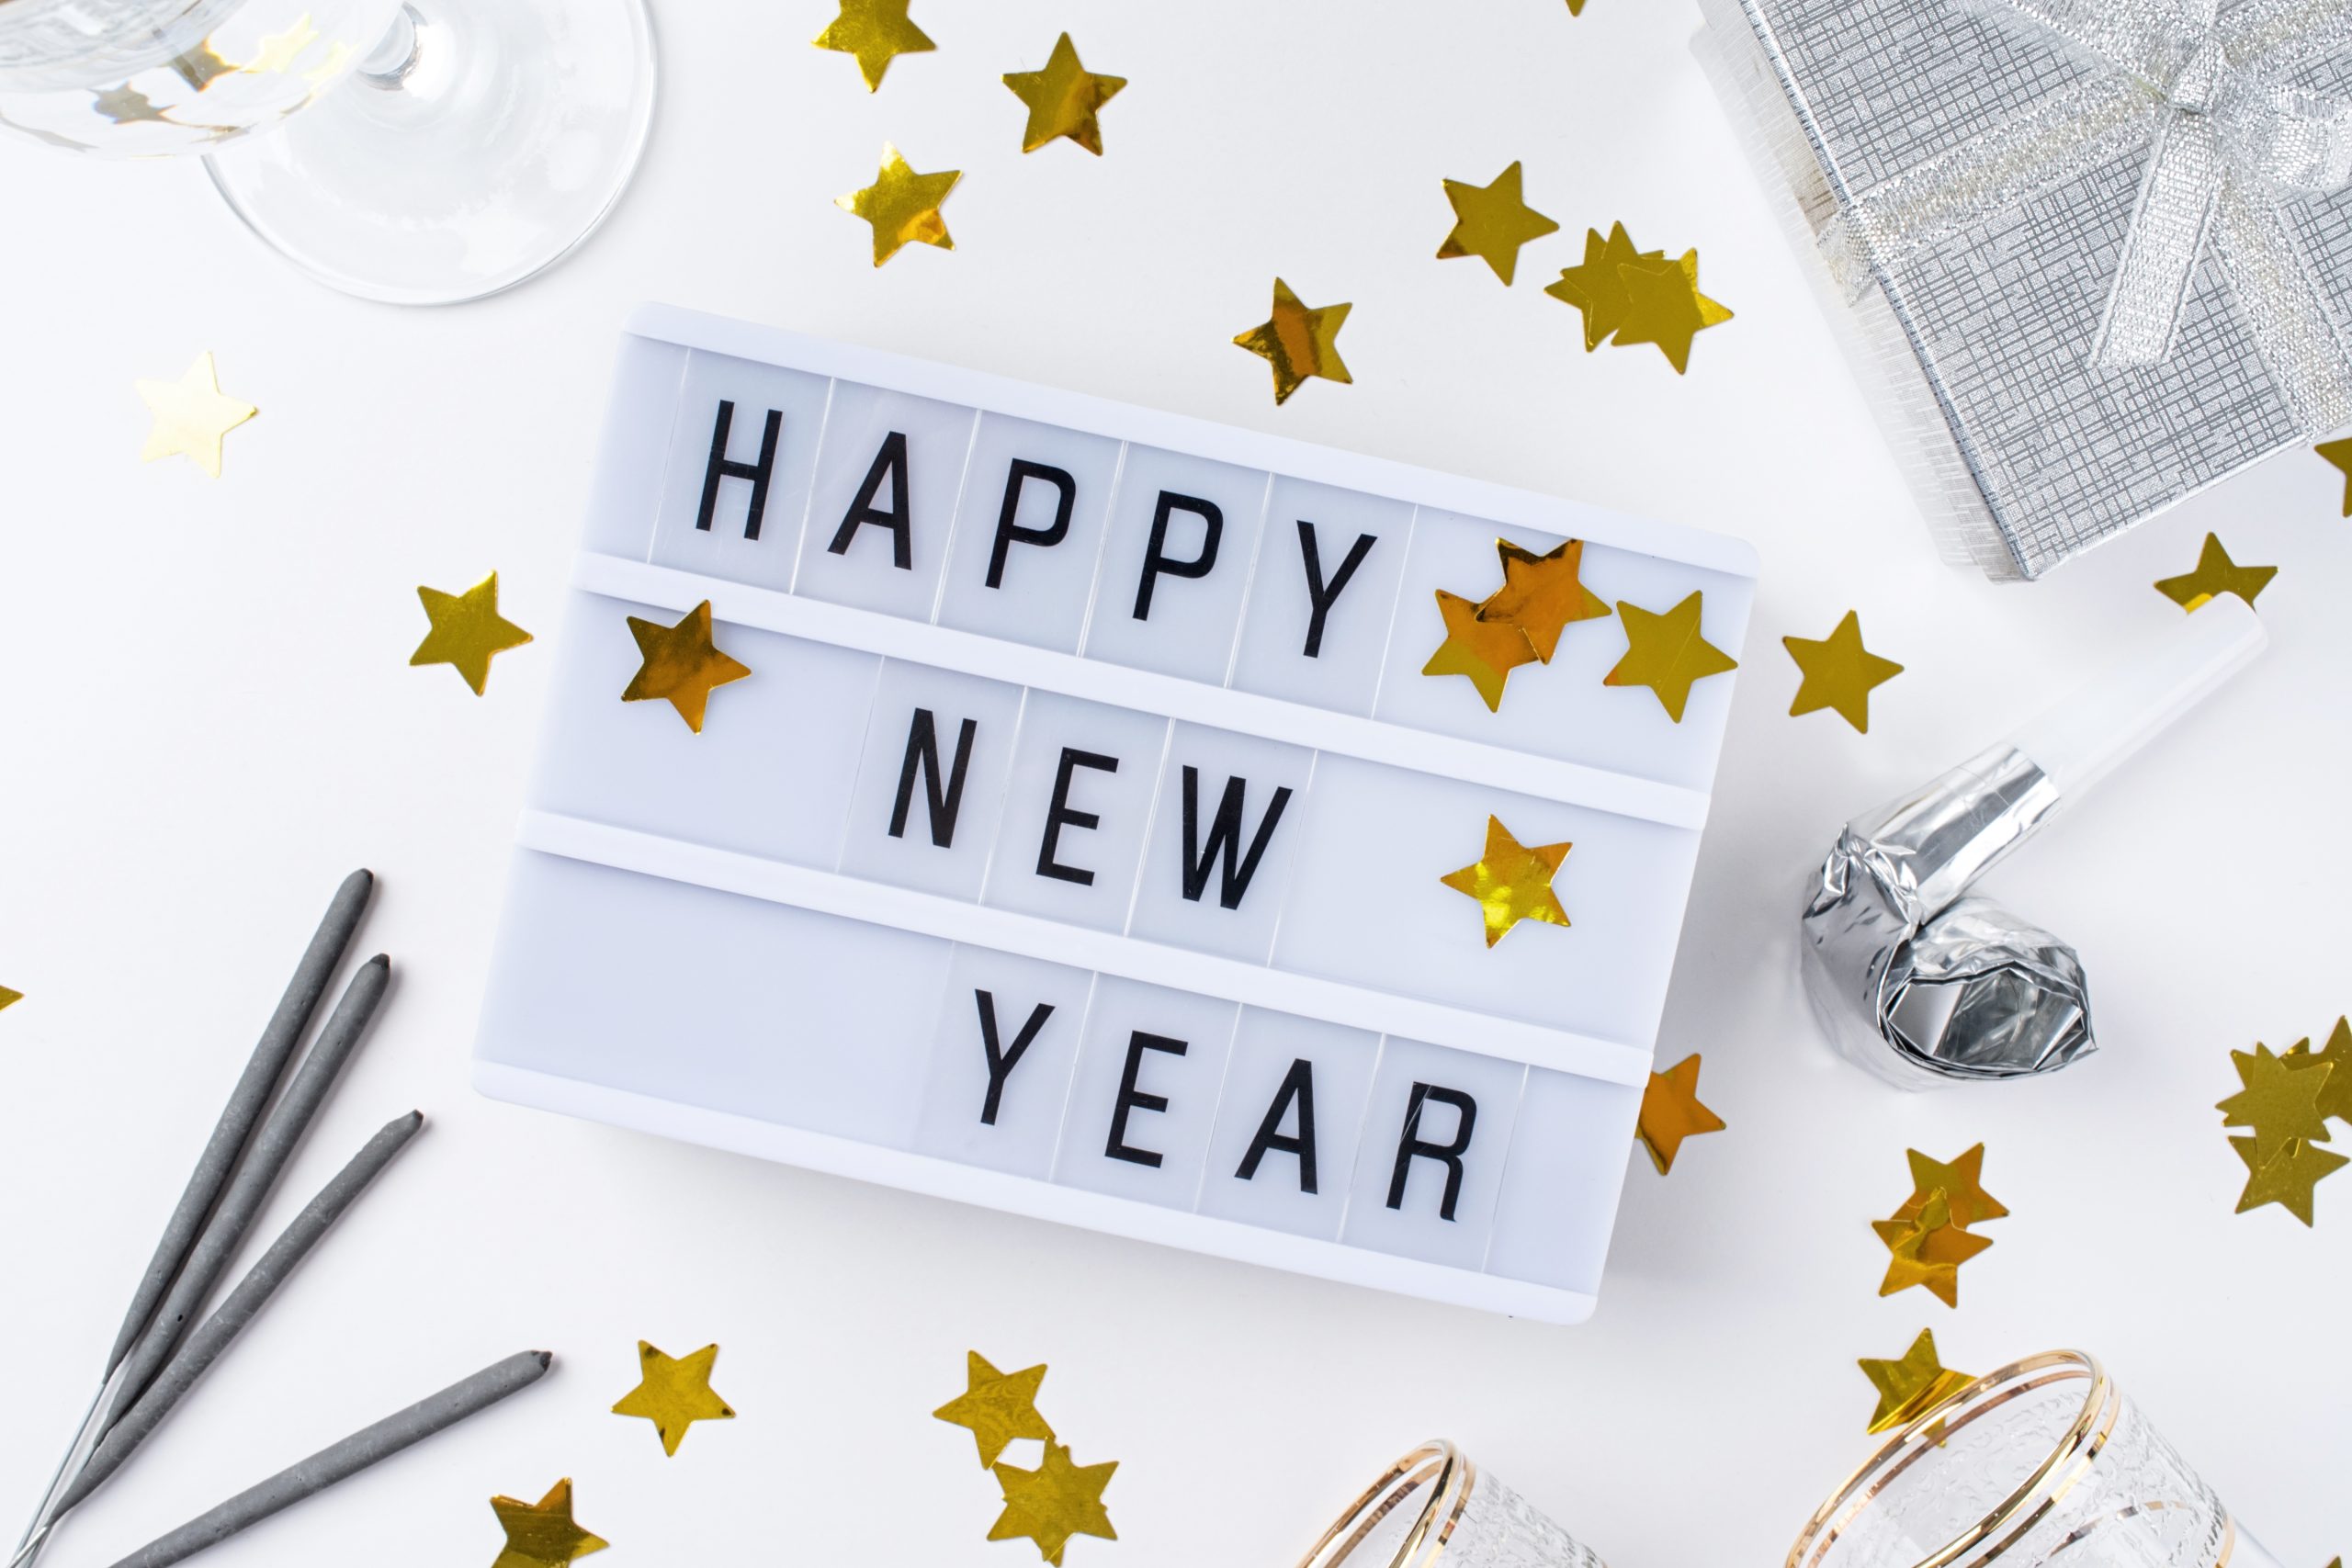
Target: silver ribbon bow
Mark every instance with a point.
(2227, 140)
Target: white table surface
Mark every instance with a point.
(207, 715)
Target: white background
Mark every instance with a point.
(206, 716)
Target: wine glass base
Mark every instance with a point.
(489, 142)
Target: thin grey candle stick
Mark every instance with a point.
(247, 1190)
(215, 1335)
(345, 1459)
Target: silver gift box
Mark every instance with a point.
(2089, 257)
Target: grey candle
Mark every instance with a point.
(344, 1459)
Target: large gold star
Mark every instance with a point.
(878, 32)
(467, 630)
(1054, 1502)
(674, 1393)
(1541, 594)
(1062, 99)
(541, 1534)
(1671, 1112)
(1911, 1384)
(1596, 287)
(681, 664)
(1298, 341)
(2335, 1094)
(278, 51)
(2280, 1100)
(902, 205)
(1492, 222)
(1840, 673)
(998, 1407)
(2339, 452)
(1665, 652)
(1486, 651)
(1962, 1182)
(2215, 573)
(1663, 305)
(1513, 882)
(190, 416)
(2286, 1178)
(1928, 1249)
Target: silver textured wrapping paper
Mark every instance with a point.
(2090, 256)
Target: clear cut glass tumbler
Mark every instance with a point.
(1434, 1508)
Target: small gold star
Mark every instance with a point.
(2215, 573)
(674, 1393)
(127, 104)
(1054, 1502)
(1596, 287)
(1063, 100)
(1298, 341)
(902, 205)
(1513, 882)
(1486, 651)
(1665, 652)
(2280, 1100)
(9, 999)
(541, 1534)
(2339, 452)
(998, 1407)
(1840, 673)
(191, 416)
(878, 32)
(1671, 1112)
(2335, 1095)
(200, 67)
(1663, 305)
(682, 664)
(2286, 1178)
(278, 51)
(1962, 1182)
(1911, 1384)
(1541, 594)
(1492, 222)
(1576, 8)
(467, 630)
(1928, 1249)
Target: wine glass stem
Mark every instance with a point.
(388, 64)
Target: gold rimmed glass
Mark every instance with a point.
(1435, 1509)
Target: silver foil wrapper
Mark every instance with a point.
(1918, 981)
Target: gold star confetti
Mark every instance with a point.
(1671, 1112)
(1912, 1384)
(1840, 673)
(1576, 8)
(1962, 1182)
(1663, 305)
(2279, 1101)
(2335, 1095)
(127, 104)
(191, 416)
(1298, 341)
(1062, 99)
(1665, 652)
(2339, 452)
(878, 32)
(200, 67)
(682, 664)
(467, 630)
(1596, 287)
(1486, 651)
(278, 51)
(2286, 1178)
(9, 999)
(1928, 1249)
(1541, 594)
(541, 1534)
(998, 1407)
(2215, 573)
(674, 1393)
(902, 205)
(1513, 882)
(1054, 1502)
(1492, 222)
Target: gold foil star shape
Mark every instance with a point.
(1929, 1249)
(1541, 594)
(1671, 1112)
(1054, 1502)
(2215, 573)
(190, 416)
(878, 32)
(2339, 452)
(674, 1393)
(1912, 1384)
(9, 999)
(278, 51)
(2286, 1178)
(1485, 650)
(1665, 652)
(2280, 1100)
(1663, 305)
(1596, 287)
(467, 630)
(998, 1407)
(1492, 222)
(1962, 1182)
(541, 1534)
(1840, 673)
(682, 664)
(902, 205)
(1513, 882)
(2335, 1095)
(1062, 99)
(1298, 341)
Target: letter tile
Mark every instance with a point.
(1436, 1138)
(930, 786)
(1008, 1034)
(1144, 1094)
(1323, 595)
(1028, 531)
(1076, 809)
(1216, 868)
(1183, 535)
(741, 452)
(1283, 1149)
(884, 504)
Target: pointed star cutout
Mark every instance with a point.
(278, 51)
(1541, 594)
(1486, 651)
(1054, 1502)
(1666, 654)
(1298, 341)
(878, 32)
(1663, 305)
(997, 1407)
(2339, 452)
(541, 1534)
(2286, 1178)
(2280, 1100)
(1911, 1384)
(902, 205)
(1839, 674)
(1671, 1112)
(1062, 99)
(682, 665)
(467, 630)
(2335, 1094)
(674, 1393)
(1513, 882)
(1928, 1249)
(2215, 573)
(1596, 288)
(1492, 222)
(1962, 1182)
(9, 999)
(190, 416)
